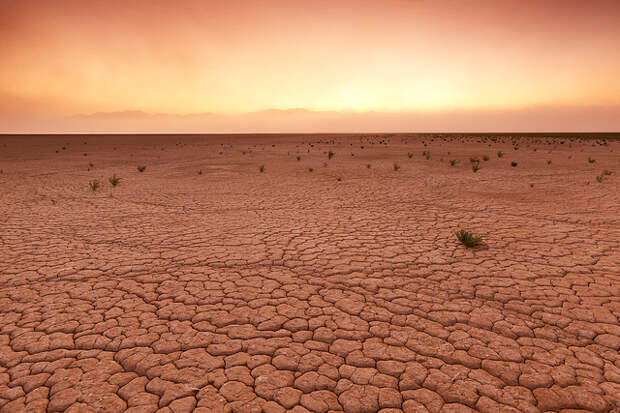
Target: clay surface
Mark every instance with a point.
(337, 289)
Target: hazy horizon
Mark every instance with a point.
(299, 120)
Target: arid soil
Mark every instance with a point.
(343, 288)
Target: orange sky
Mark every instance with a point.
(62, 58)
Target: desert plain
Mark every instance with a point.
(254, 273)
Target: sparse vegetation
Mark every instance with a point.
(590, 160)
(500, 154)
(603, 174)
(396, 166)
(94, 184)
(468, 239)
(513, 164)
(141, 168)
(368, 166)
(549, 162)
(330, 155)
(200, 172)
(339, 179)
(485, 158)
(426, 154)
(310, 169)
(452, 162)
(298, 158)
(114, 180)
(475, 163)
(410, 155)
(261, 168)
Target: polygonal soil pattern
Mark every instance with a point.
(337, 289)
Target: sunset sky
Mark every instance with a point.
(427, 62)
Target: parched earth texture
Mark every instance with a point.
(343, 288)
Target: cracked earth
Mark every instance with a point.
(290, 290)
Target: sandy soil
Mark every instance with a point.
(236, 290)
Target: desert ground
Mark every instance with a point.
(315, 285)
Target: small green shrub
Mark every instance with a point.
(298, 158)
(330, 155)
(590, 160)
(396, 166)
(141, 168)
(452, 162)
(94, 184)
(500, 154)
(114, 180)
(468, 239)
(485, 158)
(513, 164)
(261, 168)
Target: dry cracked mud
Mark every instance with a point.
(290, 290)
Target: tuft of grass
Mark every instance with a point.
(468, 239)
(261, 168)
(114, 180)
(94, 184)
(475, 163)
(141, 168)
(590, 160)
(330, 155)
(485, 158)
(298, 158)
(426, 154)
(396, 166)
(410, 155)
(452, 162)
(513, 164)
(500, 154)
(603, 174)
(310, 169)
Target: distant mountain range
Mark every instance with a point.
(530, 119)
